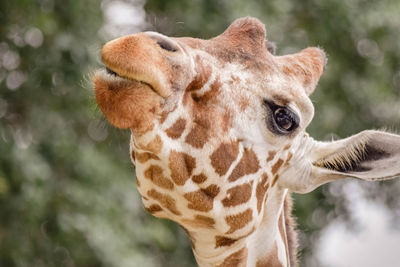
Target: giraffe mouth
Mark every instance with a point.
(111, 76)
(111, 72)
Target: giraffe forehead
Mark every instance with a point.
(243, 82)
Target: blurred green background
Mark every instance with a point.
(67, 189)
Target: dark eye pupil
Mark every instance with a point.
(283, 119)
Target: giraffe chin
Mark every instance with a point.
(126, 103)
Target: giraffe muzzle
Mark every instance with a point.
(140, 58)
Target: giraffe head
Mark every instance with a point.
(218, 127)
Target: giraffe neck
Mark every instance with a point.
(265, 246)
(224, 193)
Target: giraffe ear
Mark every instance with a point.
(369, 155)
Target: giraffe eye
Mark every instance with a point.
(281, 120)
(284, 119)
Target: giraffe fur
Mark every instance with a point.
(219, 138)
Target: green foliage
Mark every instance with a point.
(67, 189)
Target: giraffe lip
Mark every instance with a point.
(113, 76)
(111, 72)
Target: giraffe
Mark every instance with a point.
(218, 138)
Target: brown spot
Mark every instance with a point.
(275, 168)
(199, 134)
(198, 179)
(239, 220)
(181, 166)
(176, 130)
(222, 241)
(271, 155)
(155, 174)
(200, 221)
(153, 208)
(145, 156)
(271, 260)
(165, 201)
(237, 259)
(137, 183)
(164, 114)
(286, 147)
(274, 180)
(202, 199)
(226, 241)
(261, 189)
(208, 221)
(248, 164)
(203, 75)
(211, 94)
(289, 157)
(206, 116)
(211, 191)
(154, 146)
(224, 156)
(237, 195)
(201, 78)
(227, 121)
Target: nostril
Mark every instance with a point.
(164, 44)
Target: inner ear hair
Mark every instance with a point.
(361, 153)
(346, 159)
